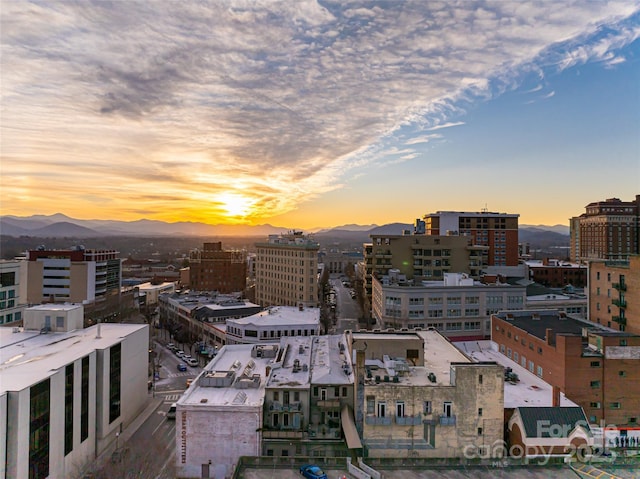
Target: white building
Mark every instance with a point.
(12, 290)
(219, 418)
(64, 396)
(148, 293)
(457, 306)
(286, 271)
(272, 324)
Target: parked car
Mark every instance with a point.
(311, 471)
(193, 362)
(182, 367)
(171, 347)
(171, 414)
(186, 357)
(180, 353)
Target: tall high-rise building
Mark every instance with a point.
(498, 231)
(287, 271)
(608, 230)
(76, 276)
(214, 269)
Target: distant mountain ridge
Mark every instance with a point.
(60, 225)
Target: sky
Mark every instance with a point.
(307, 114)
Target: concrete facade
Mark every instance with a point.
(12, 291)
(76, 390)
(418, 396)
(287, 271)
(457, 306)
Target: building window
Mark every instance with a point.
(344, 391)
(480, 379)
(594, 405)
(622, 373)
(68, 409)
(479, 431)
(39, 416)
(426, 407)
(399, 408)
(115, 362)
(371, 405)
(595, 364)
(539, 371)
(615, 405)
(447, 409)
(479, 411)
(531, 365)
(84, 400)
(315, 391)
(382, 409)
(594, 384)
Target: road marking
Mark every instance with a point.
(172, 397)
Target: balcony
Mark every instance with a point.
(282, 434)
(409, 420)
(620, 286)
(620, 320)
(447, 420)
(279, 407)
(329, 404)
(620, 302)
(377, 421)
(324, 431)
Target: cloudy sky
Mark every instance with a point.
(317, 113)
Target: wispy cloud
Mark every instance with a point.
(445, 125)
(170, 105)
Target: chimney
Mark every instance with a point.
(549, 336)
(555, 399)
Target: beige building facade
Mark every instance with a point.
(287, 271)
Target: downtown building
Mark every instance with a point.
(214, 269)
(12, 291)
(608, 230)
(497, 231)
(67, 392)
(419, 256)
(286, 271)
(596, 367)
(77, 276)
(614, 294)
(457, 306)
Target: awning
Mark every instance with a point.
(349, 428)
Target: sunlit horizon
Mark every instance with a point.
(310, 115)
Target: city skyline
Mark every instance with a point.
(317, 114)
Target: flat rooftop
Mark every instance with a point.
(295, 369)
(439, 353)
(28, 357)
(331, 361)
(282, 315)
(529, 391)
(537, 322)
(231, 362)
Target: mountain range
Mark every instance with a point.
(62, 226)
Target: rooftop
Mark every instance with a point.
(279, 315)
(537, 322)
(439, 354)
(27, 357)
(529, 391)
(236, 377)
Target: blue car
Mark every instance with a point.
(182, 367)
(311, 471)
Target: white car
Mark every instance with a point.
(180, 353)
(193, 362)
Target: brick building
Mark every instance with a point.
(596, 367)
(614, 293)
(214, 269)
(498, 231)
(557, 274)
(608, 229)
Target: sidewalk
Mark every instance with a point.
(130, 430)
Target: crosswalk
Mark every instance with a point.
(172, 397)
(181, 375)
